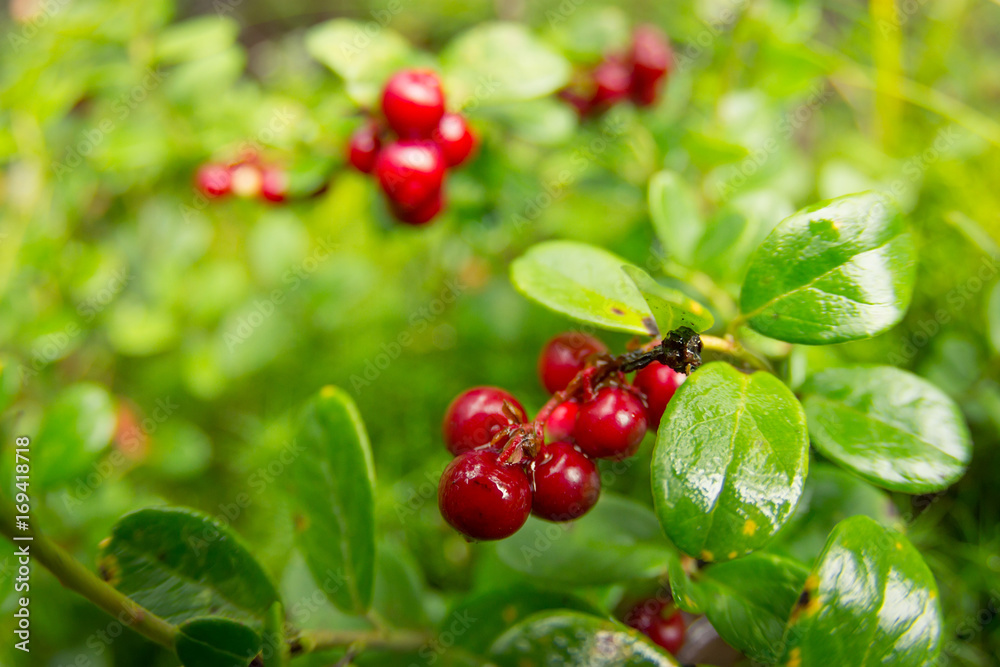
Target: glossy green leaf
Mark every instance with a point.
(750, 600)
(671, 308)
(616, 541)
(839, 270)
(870, 600)
(676, 219)
(365, 60)
(181, 564)
(730, 460)
(830, 496)
(333, 496)
(584, 283)
(889, 426)
(399, 589)
(501, 62)
(478, 620)
(573, 639)
(77, 427)
(216, 642)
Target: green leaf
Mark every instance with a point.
(671, 308)
(730, 460)
(831, 495)
(676, 219)
(572, 639)
(181, 564)
(216, 642)
(839, 270)
(76, 428)
(333, 481)
(399, 589)
(616, 541)
(365, 60)
(993, 317)
(889, 426)
(196, 38)
(483, 617)
(501, 62)
(870, 600)
(584, 283)
(749, 601)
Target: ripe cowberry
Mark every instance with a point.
(483, 499)
(455, 139)
(612, 79)
(657, 383)
(648, 618)
(410, 171)
(246, 179)
(566, 483)
(214, 180)
(413, 102)
(420, 214)
(362, 150)
(611, 425)
(559, 425)
(476, 415)
(564, 356)
(651, 59)
(273, 184)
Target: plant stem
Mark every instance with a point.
(74, 576)
(311, 641)
(732, 347)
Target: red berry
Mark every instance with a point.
(579, 102)
(476, 415)
(273, 184)
(612, 425)
(214, 180)
(647, 618)
(564, 356)
(483, 499)
(410, 171)
(657, 383)
(421, 214)
(455, 139)
(246, 179)
(651, 59)
(413, 102)
(612, 79)
(559, 425)
(362, 150)
(566, 483)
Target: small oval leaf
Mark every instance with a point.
(730, 460)
(870, 600)
(216, 642)
(584, 283)
(836, 271)
(671, 308)
(333, 497)
(76, 428)
(181, 564)
(676, 219)
(616, 541)
(572, 639)
(889, 426)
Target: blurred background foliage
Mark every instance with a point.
(157, 345)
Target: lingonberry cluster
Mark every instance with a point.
(410, 168)
(247, 177)
(637, 75)
(660, 621)
(506, 468)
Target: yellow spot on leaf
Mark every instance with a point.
(812, 582)
(795, 658)
(707, 556)
(329, 391)
(750, 527)
(732, 555)
(899, 545)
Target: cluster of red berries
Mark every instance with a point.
(248, 177)
(490, 488)
(410, 168)
(661, 622)
(637, 75)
